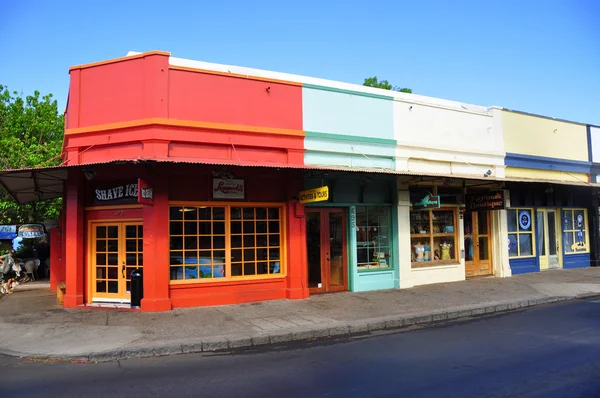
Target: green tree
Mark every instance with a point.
(384, 84)
(31, 135)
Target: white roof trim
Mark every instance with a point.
(241, 70)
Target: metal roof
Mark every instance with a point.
(42, 183)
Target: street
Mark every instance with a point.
(547, 351)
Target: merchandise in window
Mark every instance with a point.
(373, 238)
(224, 242)
(520, 232)
(575, 231)
(433, 237)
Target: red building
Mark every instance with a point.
(191, 175)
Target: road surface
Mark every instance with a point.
(549, 351)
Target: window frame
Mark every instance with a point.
(228, 278)
(574, 231)
(455, 235)
(532, 232)
(390, 258)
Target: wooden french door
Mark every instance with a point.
(327, 250)
(478, 248)
(116, 250)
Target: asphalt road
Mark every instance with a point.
(549, 351)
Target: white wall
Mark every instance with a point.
(433, 138)
(595, 133)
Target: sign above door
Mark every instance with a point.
(314, 195)
(485, 201)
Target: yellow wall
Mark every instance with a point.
(537, 136)
(552, 175)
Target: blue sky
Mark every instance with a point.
(536, 56)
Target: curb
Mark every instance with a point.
(228, 343)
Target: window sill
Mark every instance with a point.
(521, 257)
(226, 281)
(430, 267)
(367, 271)
(582, 252)
(433, 264)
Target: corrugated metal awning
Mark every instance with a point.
(31, 184)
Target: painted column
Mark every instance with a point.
(352, 250)
(403, 248)
(156, 248)
(74, 231)
(500, 244)
(297, 258)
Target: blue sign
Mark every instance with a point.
(525, 220)
(8, 232)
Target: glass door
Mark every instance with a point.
(477, 244)
(326, 250)
(117, 249)
(553, 243)
(541, 238)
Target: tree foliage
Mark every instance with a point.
(31, 135)
(384, 84)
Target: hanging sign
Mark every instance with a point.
(314, 195)
(228, 189)
(117, 193)
(485, 201)
(8, 232)
(145, 193)
(428, 202)
(525, 220)
(31, 230)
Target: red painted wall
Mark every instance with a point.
(145, 88)
(57, 266)
(232, 100)
(118, 92)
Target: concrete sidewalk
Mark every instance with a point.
(32, 324)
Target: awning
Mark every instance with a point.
(28, 185)
(32, 184)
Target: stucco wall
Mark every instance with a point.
(595, 143)
(538, 136)
(448, 139)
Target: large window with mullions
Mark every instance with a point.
(221, 242)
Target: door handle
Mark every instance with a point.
(123, 269)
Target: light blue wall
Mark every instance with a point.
(346, 153)
(333, 111)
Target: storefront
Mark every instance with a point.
(202, 235)
(351, 238)
(455, 229)
(548, 227)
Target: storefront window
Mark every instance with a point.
(520, 232)
(373, 238)
(224, 242)
(433, 237)
(575, 231)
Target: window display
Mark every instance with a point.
(373, 238)
(575, 231)
(433, 237)
(520, 232)
(225, 242)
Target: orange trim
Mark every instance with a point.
(184, 123)
(114, 207)
(121, 59)
(237, 75)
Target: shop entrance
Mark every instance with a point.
(327, 251)
(548, 239)
(116, 250)
(477, 244)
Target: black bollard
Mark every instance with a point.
(137, 288)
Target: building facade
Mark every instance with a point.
(198, 174)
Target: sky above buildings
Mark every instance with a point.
(535, 56)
